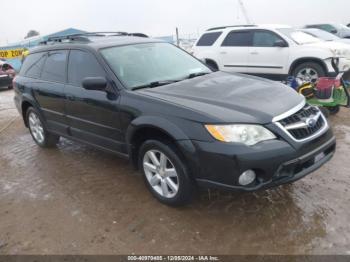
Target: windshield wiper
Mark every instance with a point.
(193, 75)
(155, 84)
(167, 82)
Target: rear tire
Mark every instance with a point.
(325, 111)
(168, 180)
(333, 109)
(10, 87)
(38, 131)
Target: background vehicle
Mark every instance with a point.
(272, 51)
(328, 93)
(324, 35)
(177, 121)
(337, 29)
(7, 73)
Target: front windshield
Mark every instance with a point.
(141, 64)
(299, 37)
(322, 34)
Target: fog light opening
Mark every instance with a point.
(247, 178)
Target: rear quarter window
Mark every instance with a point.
(33, 65)
(208, 39)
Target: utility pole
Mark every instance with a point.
(177, 37)
(244, 11)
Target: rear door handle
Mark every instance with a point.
(223, 53)
(254, 53)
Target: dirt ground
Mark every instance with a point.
(78, 200)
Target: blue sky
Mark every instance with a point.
(160, 17)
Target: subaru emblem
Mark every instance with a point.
(311, 122)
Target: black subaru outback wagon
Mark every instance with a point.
(180, 123)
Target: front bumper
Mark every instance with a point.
(276, 162)
(344, 65)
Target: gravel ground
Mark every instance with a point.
(77, 200)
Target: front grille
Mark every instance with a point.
(304, 123)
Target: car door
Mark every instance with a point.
(93, 115)
(269, 54)
(234, 51)
(48, 77)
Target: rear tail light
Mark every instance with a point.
(14, 82)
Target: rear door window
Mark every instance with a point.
(238, 38)
(81, 65)
(208, 39)
(55, 66)
(33, 65)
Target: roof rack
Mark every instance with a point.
(224, 27)
(84, 37)
(67, 38)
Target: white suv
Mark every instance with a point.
(271, 51)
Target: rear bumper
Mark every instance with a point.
(344, 65)
(5, 81)
(276, 162)
(331, 74)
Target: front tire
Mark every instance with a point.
(38, 131)
(309, 72)
(10, 87)
(164, 173)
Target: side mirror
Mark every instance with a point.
(334, 31)
(280, 43)
(95, 83)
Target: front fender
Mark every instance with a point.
(157, 122)
(182, 141)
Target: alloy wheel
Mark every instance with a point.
(36, 127)
(161, 174)
(307, 74)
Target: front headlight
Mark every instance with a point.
(246, 134)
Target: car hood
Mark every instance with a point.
(334, 46)
(230, 98)
(344, 40)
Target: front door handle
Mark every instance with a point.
(223, 53)
(254, 53)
